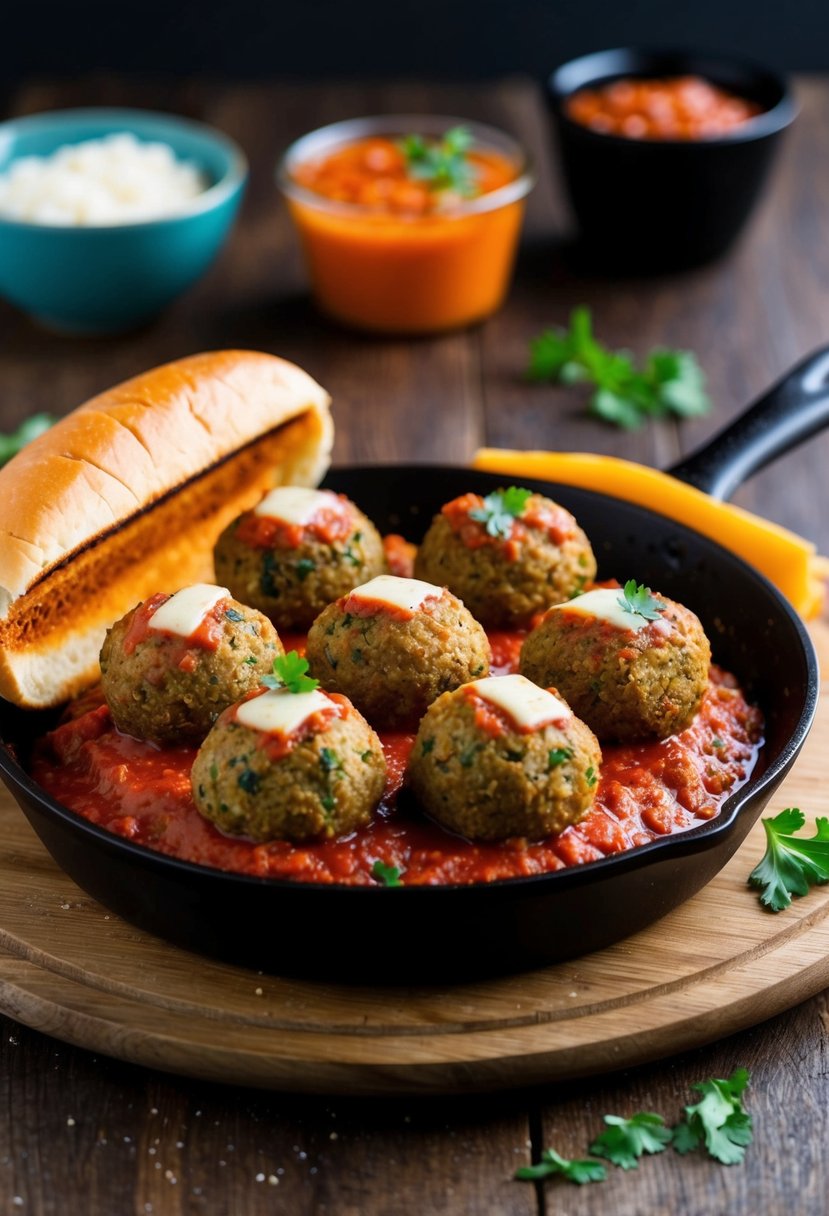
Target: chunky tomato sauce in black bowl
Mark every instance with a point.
(417, 933)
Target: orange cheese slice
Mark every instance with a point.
(789, 561)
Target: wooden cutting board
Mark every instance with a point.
(715, 965)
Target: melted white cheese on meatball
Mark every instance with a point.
(281, 712)
(529, 706)
(405, 594)
(605, 605)
(183, 612)
(297, 504)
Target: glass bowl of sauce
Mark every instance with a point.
(664, 153)
(409, 223)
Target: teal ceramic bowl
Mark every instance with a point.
(106, 279)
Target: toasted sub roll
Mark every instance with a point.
(127, 495)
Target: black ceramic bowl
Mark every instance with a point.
(646, 206)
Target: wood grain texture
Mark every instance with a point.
(749, 317)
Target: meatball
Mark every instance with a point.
(170, 688)
(395, 644)
(478, 773)
(290, 570)
(323, 779)
(507, 556)
(631, 664)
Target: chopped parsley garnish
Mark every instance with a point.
(670, 382)
(366, 755)
(28, 430)
(500, 509)
(790, 864)
(578, 1171)
(389, 876)
(289, 672)
(304, 567)
(328, 802)
(443, 164)
(715, 742)
(250, 660)
(718, 1120)
(638, 601)
(625, 1140)
(427, 746)
(233, 615)
(591, 776)
(558, 756)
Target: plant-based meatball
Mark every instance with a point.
(501, 757)
(508, 556)
(289, 766)
(395, 644)
(296, 552)
(633, 665)
(172, 664)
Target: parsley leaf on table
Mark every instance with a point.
(28, 430)
(578, 1171)
(443, 164)
(499, 510)
(289, 672)
(718, 1120)
(670, 382)
(625, 1140)
(389, 876)
(790, 864)
(638, 601)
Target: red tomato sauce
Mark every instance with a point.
(678, 107)
(328, 524)
(552, 520)
(142, 792)
(375, 173)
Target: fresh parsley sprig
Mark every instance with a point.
(669, 382)
(718, 1123)
(289, 672)
(579, 1171)
(389, 876)
(28, 430)
(718, 1120)
(636, 599)
(500, 509)
(442, 164)
(625, 1140)
(790, 864)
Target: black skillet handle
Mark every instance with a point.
(791, 412)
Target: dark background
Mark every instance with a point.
(382, 38)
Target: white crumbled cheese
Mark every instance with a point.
(118, 179)
(529, 706)
(183, 612)
(280, 712)
(407, 594)
(296, 504)
(605, 606)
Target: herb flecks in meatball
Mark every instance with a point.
(394, 645)
(632, 664)
(173, 663)
(289, 763)
(508, 556)
(500, 758)
(297, 551)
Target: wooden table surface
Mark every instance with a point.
(85, 1134)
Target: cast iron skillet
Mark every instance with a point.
(430, 933)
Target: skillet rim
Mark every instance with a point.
(696, 840)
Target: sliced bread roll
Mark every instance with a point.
(127, 495)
